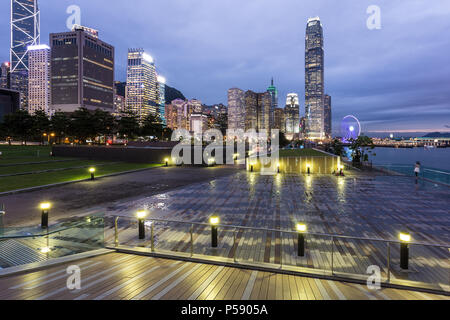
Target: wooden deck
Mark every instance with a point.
(117, 276)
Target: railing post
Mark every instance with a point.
(389, 262)
(332, 255)
(116, 232)
(192, 240)
(153, 236)
(234, 245)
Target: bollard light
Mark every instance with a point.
(45, 207)
(166, 160)
(45, 250)
(278, 167)
(301, 229)
(214, 221)
(405, 239)
(92, 171)
(141, 215)
(236, 156)
(308, 168)
(211, 161)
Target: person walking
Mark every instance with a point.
(417, 170)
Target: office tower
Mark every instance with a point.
(5, 77)
(142, 87)
(251, 110)
(236, 109)
(292, 116)
(82, 71)
(264, 112)
(314, 80)
(179, 114)
(171, 116)
(198, 123)
(25, 31)
(327, 113)
(274, 97)
(119, 98)
(279, 119)
(9, 102)
(162, 98)
(39, 79)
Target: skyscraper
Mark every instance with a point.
(292, 116)
(39, 79)
(236, 109)
(327, 112)
(251, 110)
(5, 77)
(142, 87)
(162, 98)
(82, 71)
(314, 80)
(274, 97)
(279, 120)
(25, 31)
(264, 112)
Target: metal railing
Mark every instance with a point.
(338, 244)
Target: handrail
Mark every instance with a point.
(42, 234)
(287, 231)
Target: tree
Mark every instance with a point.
(283, 140)
(104, 123)
(41, 125)
(128, 126)
(82, 125)
(361, 148)
(19, 125)
(59, 124)
(337, 147)
(152, 126)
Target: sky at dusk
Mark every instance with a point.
(396, 78)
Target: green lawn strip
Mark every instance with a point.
(24, 151)
(301, 153)
(40, 179)
(31, 160)
(47, 166)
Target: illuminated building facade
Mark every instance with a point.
(162, 98)
(279, 119)
(328, 116)
(236, 109)
(39, 79)
(292, 116)
(25, 31)
(82, 71)
(264, 112)
(314, 80)
(142, 86)
(5, 77)
(251, 110)
(9, 102)
(274, 103)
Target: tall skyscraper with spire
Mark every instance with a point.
(274, 104)
(25, 32)
(314, 80)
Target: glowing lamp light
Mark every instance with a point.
(301, 227)
(147, 57)
(45, 205)
(352, 128)
(91, 170)
(214, 220)
(405, 237)
(161, 79)
(141, 214)
(45, 250)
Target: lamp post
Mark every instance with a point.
(405, 239)
(278, 167)
(45, 207)
(301, 229)
(166, 160)
(308, 168)
(214, 221)
(92, 171)
(141, 214)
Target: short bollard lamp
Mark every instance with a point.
(308, 168)
(92, 172)
(301, 229)
(141, 215)
(278, 167)
(166, 160)
(341, 170)
(405, 239)
(214, 221)
(45, 207)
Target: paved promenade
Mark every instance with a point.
(366, 206)
(124, 276)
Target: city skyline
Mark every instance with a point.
(369, 68)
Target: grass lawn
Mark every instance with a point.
(301, 153)
(34, 180)
(25, 168)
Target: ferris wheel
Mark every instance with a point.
(350, 128)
